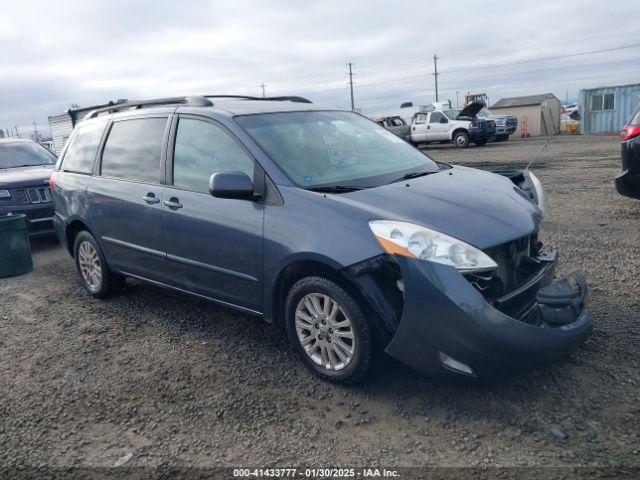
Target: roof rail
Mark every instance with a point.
(288, 98)
(195, 101)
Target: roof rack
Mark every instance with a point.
(287, 98)
(193, 101)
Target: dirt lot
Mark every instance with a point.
(178, 381)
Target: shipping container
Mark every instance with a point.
(607, 109)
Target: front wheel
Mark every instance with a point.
(328, 329)
(461, 140)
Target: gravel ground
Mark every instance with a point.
(174, 380)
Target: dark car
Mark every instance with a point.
(628, 180)
(321, 222)
(25, 168)
(396, 125)
(505, 124)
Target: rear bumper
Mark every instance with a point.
(628, 180)
(444, 314)
(39, 217)
(628, 184)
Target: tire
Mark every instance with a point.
(87, 253)
(324, 352)
(461, 139)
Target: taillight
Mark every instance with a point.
(51, 181)
(629, 132)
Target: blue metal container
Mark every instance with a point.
(607, 109)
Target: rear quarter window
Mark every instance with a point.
(635, 118)
(81, 152)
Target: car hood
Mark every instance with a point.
(25, 176)
(471, 110)
(480, 208)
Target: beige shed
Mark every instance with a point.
(540, 113)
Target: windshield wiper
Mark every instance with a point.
(335, 188)
(410, 175)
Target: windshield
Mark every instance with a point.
(484, 113)
(334, 148)
(14, 155)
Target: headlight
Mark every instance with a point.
(541, 197)
(5, 194)
(414, 241)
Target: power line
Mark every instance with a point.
(482, 67)
(543, 59)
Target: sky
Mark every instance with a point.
(55, 54)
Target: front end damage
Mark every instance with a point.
(440, 320)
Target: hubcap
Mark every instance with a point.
(325, 331)
(90, 266)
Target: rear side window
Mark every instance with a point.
(635, 118)
(202, 149)
(437, 117)
(81, 153)
(133, 148)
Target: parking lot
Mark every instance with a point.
(174, 380)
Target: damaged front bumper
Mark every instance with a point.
(446, 324)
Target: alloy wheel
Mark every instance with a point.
(90, 266)
(325, 331)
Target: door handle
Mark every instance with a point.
(173, 203)
(151, 198)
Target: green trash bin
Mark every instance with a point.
(15, 249)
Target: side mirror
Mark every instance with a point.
(231, 185)
(444, 120)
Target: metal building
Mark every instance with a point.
(62, 125)
(540, 114)
(607, 109)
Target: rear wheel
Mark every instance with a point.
(93, 271)
(328, 330)
(461, 139)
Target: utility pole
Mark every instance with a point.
(435, 72)
(35, 132)
(350, 65)
(457, 104)
(263, 90)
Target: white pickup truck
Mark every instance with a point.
(461, 128)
